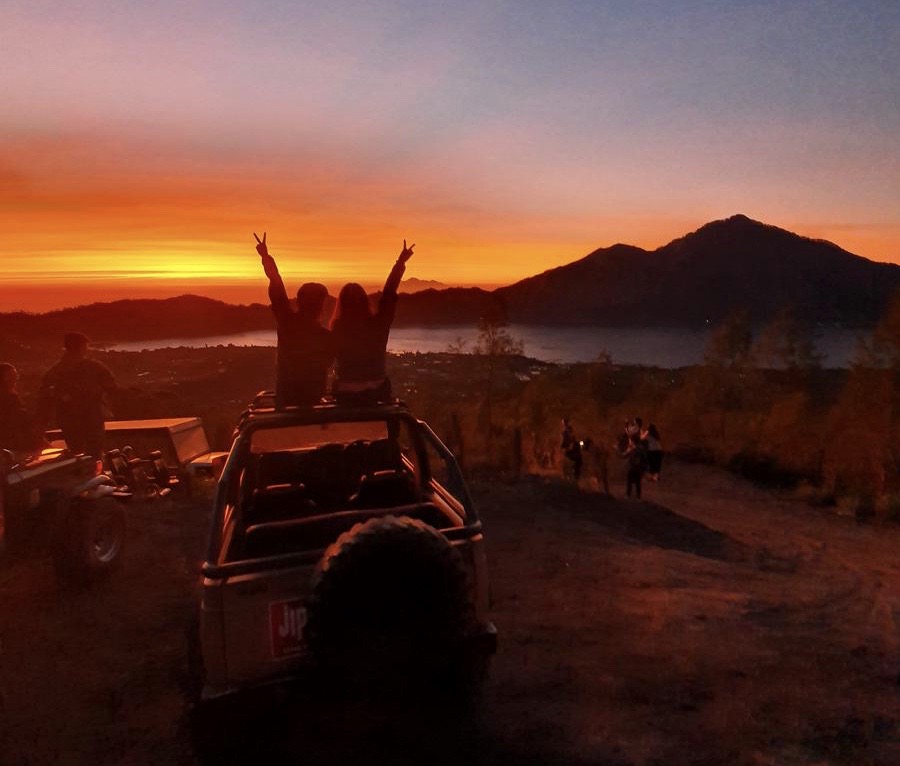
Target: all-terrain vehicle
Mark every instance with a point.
(154, 456)
(344, 545)
(59, 502)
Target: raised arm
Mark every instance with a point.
(388, 300)
(277, 292)
(393, 280)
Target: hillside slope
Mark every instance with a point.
(706, 275)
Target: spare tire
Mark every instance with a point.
(390, 604)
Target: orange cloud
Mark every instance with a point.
(136, 211)
(88, 206)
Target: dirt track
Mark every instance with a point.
(710, 624)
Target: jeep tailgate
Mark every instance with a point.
(264, 614)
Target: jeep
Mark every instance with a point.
(343, 543)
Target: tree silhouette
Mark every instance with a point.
(494, 338)
(786, 342)
(496, 345)
(731, 342)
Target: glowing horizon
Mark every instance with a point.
(146, 142)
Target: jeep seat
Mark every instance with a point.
(383, 489)
(382, 455)
(278, 502)
(276, 468)
(318, 532)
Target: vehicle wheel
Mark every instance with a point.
(390, 606)
(88, 540)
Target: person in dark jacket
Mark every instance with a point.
(636, 461)
(361, 337)
(571, 448)
(305, 348)
(73, 393)
(654, 452)
(17, 430)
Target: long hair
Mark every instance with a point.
(352, 308)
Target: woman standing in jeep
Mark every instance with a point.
(360, 338)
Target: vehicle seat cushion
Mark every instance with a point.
(383, 489)
(278, 502)
(382, 455)
(276, 468)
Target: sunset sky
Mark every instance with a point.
(142, 143)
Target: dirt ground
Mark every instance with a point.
(711, 623)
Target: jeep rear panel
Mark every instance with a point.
(263, 617)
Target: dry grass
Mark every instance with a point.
(711, 624)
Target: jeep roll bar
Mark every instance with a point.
(253, 420)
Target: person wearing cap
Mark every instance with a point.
(17, 430)
(73, 392)
(305, 347)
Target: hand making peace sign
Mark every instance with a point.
(261, 245)
(406, 253)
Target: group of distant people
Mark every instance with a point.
(640, 447)
(73, 392)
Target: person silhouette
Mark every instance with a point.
(636, 462)
(305, 347)
(654, 452)
(74, 391)
(361, 336)
(17, 431)
(571, 448)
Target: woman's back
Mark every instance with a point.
(360, 336)
(360, 346)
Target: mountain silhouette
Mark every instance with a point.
(187, 316)
(453, 306)
(416, 285)
(701, 278)
(705, 276)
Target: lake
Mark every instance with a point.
(639, 346)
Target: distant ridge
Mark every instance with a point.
(694, 280)
(416, 285)
(704, 276)
(187, 316)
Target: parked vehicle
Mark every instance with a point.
(163, 453)
(59, 502)
(343, 542)
(147, 477)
